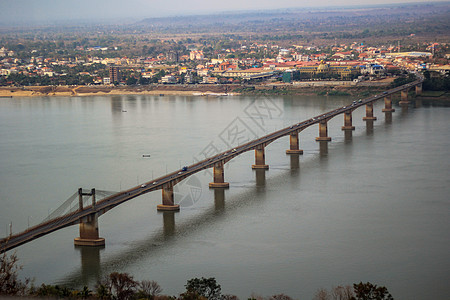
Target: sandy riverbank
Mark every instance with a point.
(40, 91)
(308, 88)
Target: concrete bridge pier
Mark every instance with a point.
(293, 140)
(323, 132)
(260, 161)
(404, 97)
(89, 224)
(89, 232)
(369, 112)
(348, 121)
(219, 180)
(418, 89)
(167, 199)
(388, 104)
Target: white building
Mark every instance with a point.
(168, 79)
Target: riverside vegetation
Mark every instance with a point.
(122, 286)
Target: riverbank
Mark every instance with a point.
(188, 90)
(39, 91)
(279, 89)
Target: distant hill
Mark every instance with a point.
(417, 17)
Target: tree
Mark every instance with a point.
(342, 292)
(205, 287)
(322, 294)
(280, 297)
(149, 289)
(10, 284)
(85, 293)
(131, 80)
(102, 291)
(119, 285)
(368, 291)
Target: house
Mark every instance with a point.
(168, 79)
(196, 55)
(208, 79)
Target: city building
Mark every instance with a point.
(114, 74)
(168, 79)
(344, 71)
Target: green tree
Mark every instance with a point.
(85, 293)
(131, 80)
(103, 292)
(369, 291)
(205, 287)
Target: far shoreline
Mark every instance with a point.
(305, 88)
(324, 88)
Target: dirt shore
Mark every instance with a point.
(39, 91)
(194, 90)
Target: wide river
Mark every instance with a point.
(373, 206)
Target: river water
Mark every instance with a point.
(372, 206)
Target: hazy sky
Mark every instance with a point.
(20, 11)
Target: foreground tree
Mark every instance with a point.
(204, 287)
(322, 294)
(280, 297)
(368, 291)
(117, 286)
(10, 284)
(148, 289)
(342, 292)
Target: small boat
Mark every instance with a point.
(145, 155)
(124, 111)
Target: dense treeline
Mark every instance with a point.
(436, 83)
(431, 83)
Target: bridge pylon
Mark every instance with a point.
(219, 180)
(369, 112)
(168, 199)
(419, 89)
(323, 132)
(404, 97)
(89, 235)
(260, 161)
(388, 104)
(293, 144)
(348, 121)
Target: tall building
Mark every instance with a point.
(114, 74)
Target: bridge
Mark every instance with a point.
(86, 214)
